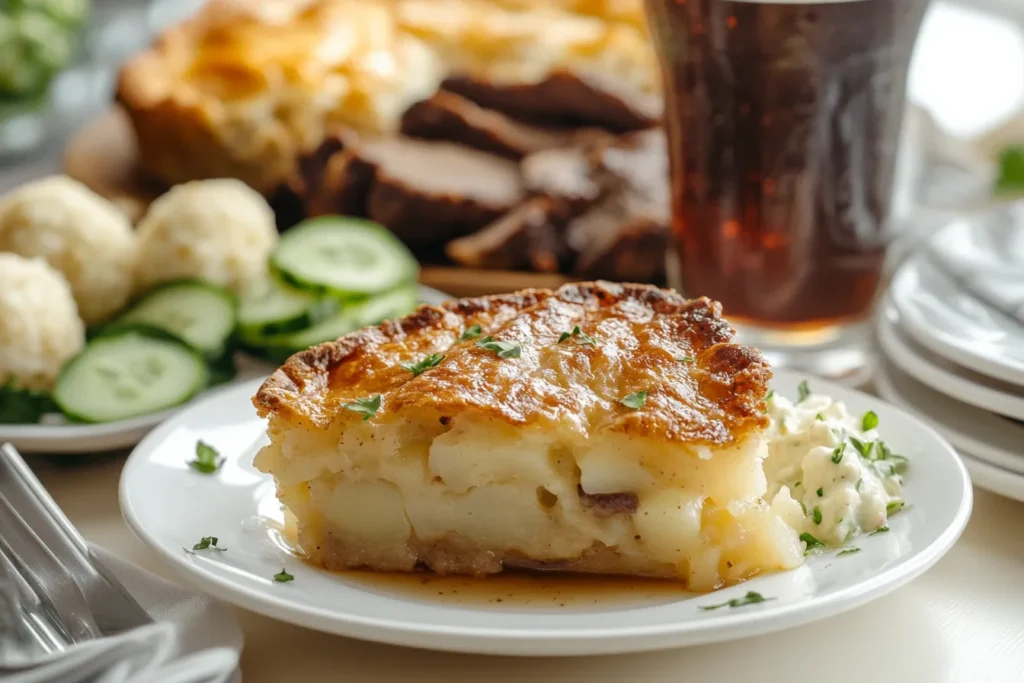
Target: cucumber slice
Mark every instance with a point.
(128, 372)
(276, 308)
(349, 319)
(201, 314)
(346, 257)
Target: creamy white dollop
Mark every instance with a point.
(830, 470)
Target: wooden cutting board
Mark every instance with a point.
(102, 155)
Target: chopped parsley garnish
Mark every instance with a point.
(751, 598)
(635, 400)
(837, 453)
(819, 417)
(471, 332)
(894, 507)
(899, 463)
(879, 530)
(803, 507)
(817, 515)
(859, 482)
(430, 361)
(208, 543)
(869, 421)
(811, 542)
(1011, 170)
(797, 484)
(802, 391)
(579, 335)
(504, 349)
(207, 460)
(863, 448)
(848, 551)
(820, 492)
(686, 359)
(283, 577)
(367, 406)
(770, 395)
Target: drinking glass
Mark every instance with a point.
(783, 121)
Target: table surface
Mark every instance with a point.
(961, 622)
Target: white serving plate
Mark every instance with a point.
(942, 375)
(940, 315)
(171, 507)
(983, 435)
(59, 436)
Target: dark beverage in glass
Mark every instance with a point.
(783, 121)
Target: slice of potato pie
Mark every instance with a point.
(616, 429)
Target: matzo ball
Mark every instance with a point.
(77, 232)
(39, 324)
(220, 231)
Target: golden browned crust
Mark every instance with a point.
(641, 331)
(244, 88)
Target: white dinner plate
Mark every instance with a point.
(995, 479)
(57, 435)
(942, 316)
(942, 375)
(979, 433)
(171, 507)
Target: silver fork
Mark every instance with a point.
(55, 561)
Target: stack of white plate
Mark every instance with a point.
(951, 331)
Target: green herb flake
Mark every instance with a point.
(686, 359)
(797, 484)
(880, 530)
(859, 483)
(636, 400)
(848, 551)
(417, 369)
(894, 507)
(207, 459)
(899, 463)
(208, 543)
(863, 448)
(869, 421)
(504, 349)
(770, 395)
(367, 406)
(579, 335)
(470, 333)
(811, 542)
(803, 507)
(283, 577)
(817, 515)
(820, 492)
(802, 392)
(837, 453)
(819, 417)
(751, 598)
(1011, 170)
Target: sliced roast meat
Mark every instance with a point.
(563, 175)
(527, 237)
(622, 238)
(430, 192)
(344, 186)
(564, 98)
(639, 162)
(453, 118)
(609, 503)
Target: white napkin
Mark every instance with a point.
(194, 639)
